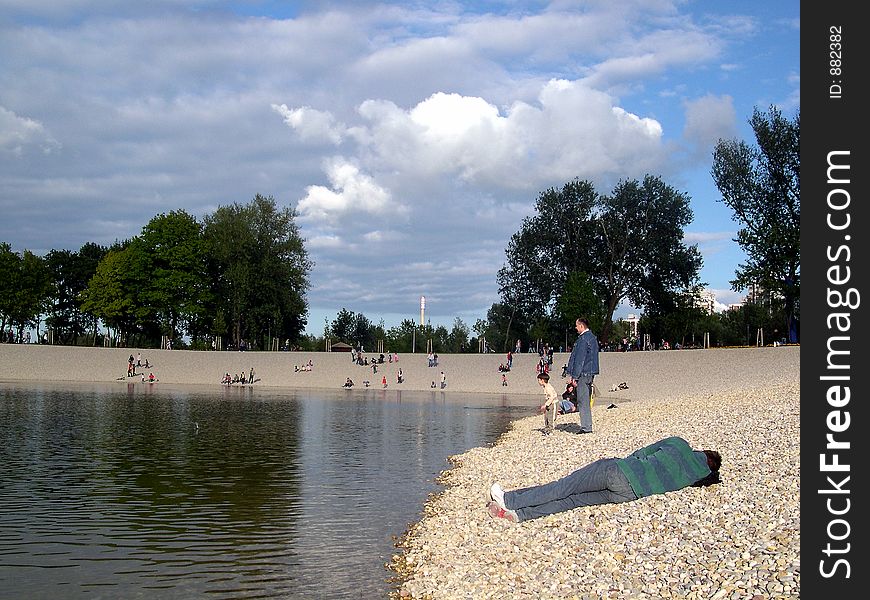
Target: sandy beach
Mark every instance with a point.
(738, 539)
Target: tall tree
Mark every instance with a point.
(638, 253)
(71, 272)
(261, 269)
(112, 293)
(628, 244)
(760, 183)
(176, 283)
(26, 287)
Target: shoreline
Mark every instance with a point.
(737, 539)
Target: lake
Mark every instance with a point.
(136, 490)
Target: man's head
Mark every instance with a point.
(581, 324)
(714, 461)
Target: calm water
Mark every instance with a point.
(151, 491)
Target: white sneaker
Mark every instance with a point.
(497, 494)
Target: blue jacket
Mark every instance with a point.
(584, 356)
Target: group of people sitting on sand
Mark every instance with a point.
(305, 367)
(238, 378)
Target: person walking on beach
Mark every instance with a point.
(443, 380)
(664, 466)
(582, 369)
(504, 379)
(549, 406)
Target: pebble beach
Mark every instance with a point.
(737, 539)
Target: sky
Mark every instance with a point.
(411, 138)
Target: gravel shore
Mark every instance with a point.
(738, 539)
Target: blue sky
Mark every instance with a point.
(411, 137)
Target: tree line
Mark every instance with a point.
(240, 275)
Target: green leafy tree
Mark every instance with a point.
(761, 185)
(9, 274)
(175, 277)
(70, 273)
(403, 336)
(629, 244)
(639, 254)
(342, 326)
(579, 299)
(457, 339)
(549, 245)
(26, 288)
(111, 295)
(260, 268)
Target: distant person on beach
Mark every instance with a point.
(251, 376)
(549, 405)
(443, 380)
(348, 383)
(384, 381)
(663, 466)
(582, 369)
(138, 359)
(400, 377)
(151, 378)
(504, 379)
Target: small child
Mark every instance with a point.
(548, 407)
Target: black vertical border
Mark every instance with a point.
(833, 119)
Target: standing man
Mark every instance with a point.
(582, 369)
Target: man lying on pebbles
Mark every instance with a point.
(664, 466)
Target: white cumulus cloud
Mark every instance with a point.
(311, 124)
(351, 191)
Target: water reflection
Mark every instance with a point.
(148, 491)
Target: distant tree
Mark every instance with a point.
(260, 268)
(70, 272)
(363, 332)
(25, 290)
(111, 295)
(9, 274)
(457, 339)
(640, 255)
(761, 185)
(342, 327)
(402, 337)
(175, 276)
